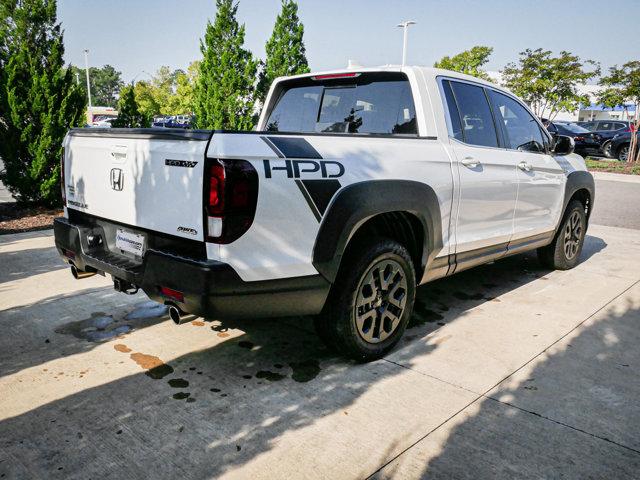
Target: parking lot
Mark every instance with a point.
(507, 371)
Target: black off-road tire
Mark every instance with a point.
(380, 270)
(564, 252)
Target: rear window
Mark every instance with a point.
(564, 128)
(378, 103)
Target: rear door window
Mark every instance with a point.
(369, 104)
(475, 115)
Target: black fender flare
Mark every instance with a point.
(354, 204)
(579, 180)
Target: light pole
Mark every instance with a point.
(405, 26)
(86, 69)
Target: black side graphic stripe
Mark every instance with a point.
(321, 192)
(273, 147)
(307, 197)
(294, 147)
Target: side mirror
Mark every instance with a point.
(563, 145)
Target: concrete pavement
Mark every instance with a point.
(507, 371)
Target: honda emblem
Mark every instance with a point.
(117, 179)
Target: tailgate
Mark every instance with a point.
(146, 178)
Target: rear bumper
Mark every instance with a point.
(210, 288)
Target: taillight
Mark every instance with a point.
(171, 293)
(231, 196)
(333, 76)
(62, 187)
(578, 139)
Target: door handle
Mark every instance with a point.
(470, 162)
(525, 166)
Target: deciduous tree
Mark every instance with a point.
(106, 83)
(547, 83)
(225, 91)
(469, 62)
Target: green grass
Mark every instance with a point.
(613, 166)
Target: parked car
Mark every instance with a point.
(585, 144)
(603, 132)
(357, 187)
(103, 123)
(620, 146)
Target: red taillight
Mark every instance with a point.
(628, 130)
(171, 293)
(62, 187)
(216, 190)
(331, 76)
(232, 196)
(578, 139)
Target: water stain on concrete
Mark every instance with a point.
(197, 323)
(121, 347)
(147, 310)
(305, 371)
(155, 368)
(181, 395)
(178, 383)
(223, 334)
(99, 327)
(270, 376)
(422, 315)
(245, 344)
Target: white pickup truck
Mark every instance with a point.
(356, 187)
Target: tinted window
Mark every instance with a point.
(619, 126)
(475, 115)
(454, 116)
(604, 126)
(521, 130)
(589, 125)
(382, 107)
(296, 110)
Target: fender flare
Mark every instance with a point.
(579, 180)
(354, 204)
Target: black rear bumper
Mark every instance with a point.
(210, 288)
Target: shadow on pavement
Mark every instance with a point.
(209, 411)
(575, 415)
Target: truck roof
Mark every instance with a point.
(426, 71)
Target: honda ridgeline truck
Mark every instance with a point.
(356, 187)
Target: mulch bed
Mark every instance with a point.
(16, 219)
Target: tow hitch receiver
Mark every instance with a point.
(123, 286)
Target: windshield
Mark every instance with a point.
(379, 103)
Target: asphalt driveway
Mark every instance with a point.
(507, 371)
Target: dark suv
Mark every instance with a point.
(603, 132)
(585, 144)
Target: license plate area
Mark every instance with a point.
(130, 242)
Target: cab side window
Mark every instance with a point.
(476, 119)
(521, 130)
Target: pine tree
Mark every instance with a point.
(225, 90)
(129, 115)
(285, 50)
(38, 101)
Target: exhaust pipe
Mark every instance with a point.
(177, 316)
(79, 274)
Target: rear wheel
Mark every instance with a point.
(371, 302)
(623, 153)
(563, 253)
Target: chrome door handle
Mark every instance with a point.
(525, 166)
(470, 162)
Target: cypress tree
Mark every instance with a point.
(286, 54)
(224, 97)
(129, 115)
(38, 101)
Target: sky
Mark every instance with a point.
(139, 36)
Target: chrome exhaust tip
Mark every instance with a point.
(177, 316)
(79, 274)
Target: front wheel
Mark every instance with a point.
(563, 253)
(371, 302)
(606, 150)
